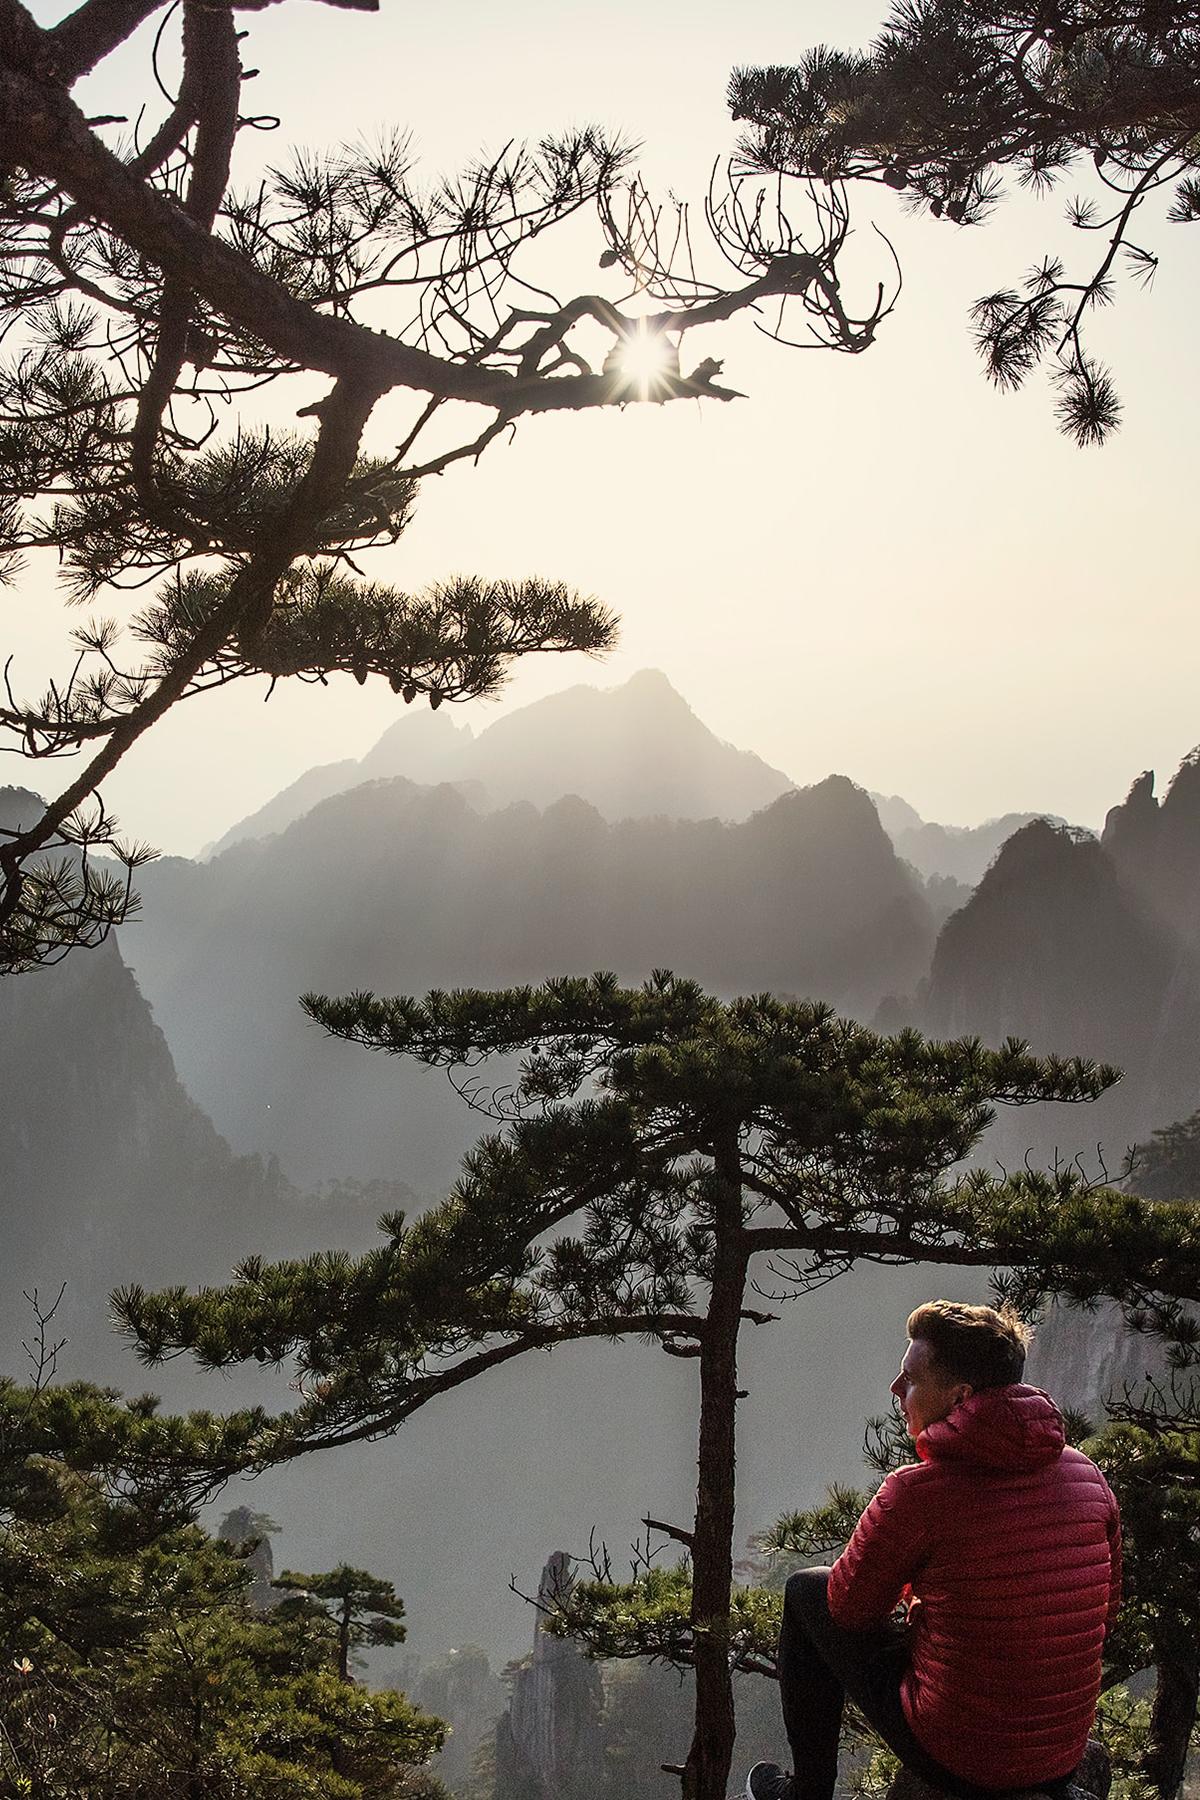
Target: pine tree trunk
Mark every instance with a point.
(706, 1772)
(193, 1778)
(1173, 1715)
(344, 1641)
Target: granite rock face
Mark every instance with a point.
(1082, 1358)
(110, 1172)
(1155, 847)
(549, 1739)
(462, 1689)
(243, 1526)
(1060, 947)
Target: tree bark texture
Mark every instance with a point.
(1173, 1715)
(706, 1772)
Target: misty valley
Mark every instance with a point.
(573, 1235)
(169, 1111)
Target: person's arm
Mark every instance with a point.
(888, 1546)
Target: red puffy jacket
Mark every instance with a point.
(1011, 1545)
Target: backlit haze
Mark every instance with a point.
(875, 565)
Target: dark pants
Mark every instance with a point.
(819, 1664)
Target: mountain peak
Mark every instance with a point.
(1155, 845)
(634, 750)
(1183, 795)
(652, 682)
(19, 808)
(1042, 844)
(420, 745)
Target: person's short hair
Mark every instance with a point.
(972, 1343)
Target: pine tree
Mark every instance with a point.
(134, 1662)
(147, 297)
(364, 1608)
(1150, 1451)
(655, 1141)
(1168, 1167)
(952, 96)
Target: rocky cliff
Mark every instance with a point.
(1056, 947)
(111, 1172)
(1090, 948)
(548, 1742)
(577, 1730)
(1154, 846)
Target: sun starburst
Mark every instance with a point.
(646, 360)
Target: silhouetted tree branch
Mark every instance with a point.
(950, 97)
(147, 300)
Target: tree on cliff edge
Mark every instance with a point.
(951, 96)
(654, 1144)
(365, 1609)
(146, 298)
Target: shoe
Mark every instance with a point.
(767, 1781)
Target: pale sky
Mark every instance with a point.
(874, 565)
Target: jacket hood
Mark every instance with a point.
(1009, 1428)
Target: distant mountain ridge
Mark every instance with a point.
(633, 751)
(402, 888)
(111, 1172)
(962, 853)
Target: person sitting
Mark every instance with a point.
(1003, 1546)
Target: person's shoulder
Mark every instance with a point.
(1077, 1462)
(907, 1471)
(1074, 1466)
(912, 1500)
(1080, 1482)
(906, 1482)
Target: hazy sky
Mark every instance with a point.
(874, 565)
